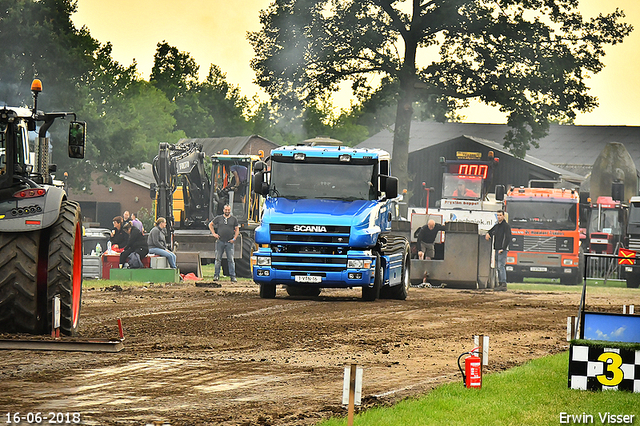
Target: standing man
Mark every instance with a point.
(136, 222)
(226, 229)
(126, 217)
(501, 233)
(426, 239)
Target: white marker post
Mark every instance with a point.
(352, 389)
(55, 319)
(482, 342)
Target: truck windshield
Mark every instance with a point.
(607, 221)
(542, 215)
(634, 213)
(323, 180)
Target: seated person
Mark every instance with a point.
(137, 244)
(157, 242)
(463, 191)
(238, 178)
(118, 238)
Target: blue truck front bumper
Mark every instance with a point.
(294, 274)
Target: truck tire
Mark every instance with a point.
(64, 275)
(303, 291)
(18, 282)
(401, 291)
(243, 265)
(267, 291)
(633, 280)
(372, 293)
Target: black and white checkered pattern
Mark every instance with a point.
(584, 368)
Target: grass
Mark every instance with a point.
(535, 393)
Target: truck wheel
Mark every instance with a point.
(65, 267)
(304, 291)
(267, 291)
(18, 282)
(243, 265)
(372, 293)
(401, 290)
(633, 280)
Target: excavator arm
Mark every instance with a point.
(182, 165)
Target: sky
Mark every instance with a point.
(214, 32)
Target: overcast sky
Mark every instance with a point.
(214, 31)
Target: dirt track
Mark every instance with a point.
(223, 356)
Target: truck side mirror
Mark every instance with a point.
(584, 197)
(391, 186)
(77, 137)
(499, 192)
(152, 190)
(258, 166)
(617, 191)
(259, 185)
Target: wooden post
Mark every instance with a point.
(572, 324)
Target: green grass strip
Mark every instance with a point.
(535, 393)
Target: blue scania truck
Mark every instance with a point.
(330, 220)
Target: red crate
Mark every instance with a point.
(113, 261)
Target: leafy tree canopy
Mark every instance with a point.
(530, 58)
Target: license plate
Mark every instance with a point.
(538, 269)
(308, 279)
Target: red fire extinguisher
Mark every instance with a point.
(472, 374)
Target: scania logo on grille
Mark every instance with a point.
(309, 228)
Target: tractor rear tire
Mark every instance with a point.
(19, 282)
(64, 276)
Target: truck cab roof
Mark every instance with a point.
(331, 152)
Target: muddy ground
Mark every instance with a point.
(223, 356)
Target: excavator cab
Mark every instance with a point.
(231, 184)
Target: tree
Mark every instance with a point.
(213, 108)
(530, 58)
(173, 72)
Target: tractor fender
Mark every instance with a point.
(50, 210)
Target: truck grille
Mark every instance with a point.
(540, 244)
(309, 248)
(634, 244)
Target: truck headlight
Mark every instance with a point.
(355, 263)
(567, 262)
(264, 260)
(511, 259)
(628, 269)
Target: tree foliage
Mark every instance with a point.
(530, 58)
(126, 117)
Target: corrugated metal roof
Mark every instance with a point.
(217, 145)
(576, 145)
(142, 176)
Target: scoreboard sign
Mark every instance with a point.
(600, 368)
